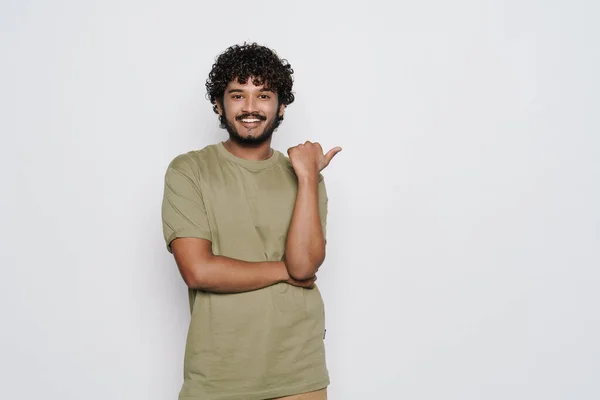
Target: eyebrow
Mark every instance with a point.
(241, 91)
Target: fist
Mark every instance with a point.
(308, 159)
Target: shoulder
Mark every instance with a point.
(192, 162)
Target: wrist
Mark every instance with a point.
(308, 178)
(282, 272)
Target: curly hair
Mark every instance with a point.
(250, 60)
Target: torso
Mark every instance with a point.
(260, 342)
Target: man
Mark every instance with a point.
(247, 227)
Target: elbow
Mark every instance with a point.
(191, 280)
(304, 269)
(196, 277)
(302, 275)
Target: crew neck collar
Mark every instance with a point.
(250, 164)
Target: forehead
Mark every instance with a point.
(249, 86)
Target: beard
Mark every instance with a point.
(250, 140)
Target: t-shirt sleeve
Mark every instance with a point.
(323, 205)
(183, 211)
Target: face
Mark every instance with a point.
(251, 113)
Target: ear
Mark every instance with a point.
(219, 106)
(281, 110)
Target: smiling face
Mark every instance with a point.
(251, 113)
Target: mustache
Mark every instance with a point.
(245, 116)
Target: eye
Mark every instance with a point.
(264, 96)
(236, 96)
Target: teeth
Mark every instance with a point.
(250, 120)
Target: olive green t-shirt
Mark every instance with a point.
(260, 344)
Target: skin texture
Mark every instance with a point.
(240, 100)
(305, 246)
(201, 269)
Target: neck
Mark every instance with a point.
(259, 152)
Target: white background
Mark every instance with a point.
(464, 223)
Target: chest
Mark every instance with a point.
(243, 202)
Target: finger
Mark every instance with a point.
(331, 153)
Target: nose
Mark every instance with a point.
(250, 105)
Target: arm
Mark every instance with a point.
(187, 234)
(305, 245)
(202, 270)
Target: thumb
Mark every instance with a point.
(331, 153)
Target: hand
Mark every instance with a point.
(308, 159)
(306, 284)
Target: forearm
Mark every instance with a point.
(305, 246)
(220, 274)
